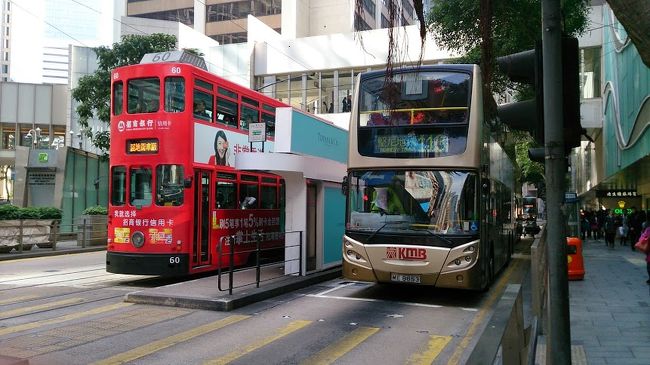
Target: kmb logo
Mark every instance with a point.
(404, 253)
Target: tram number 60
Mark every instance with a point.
(174, 260)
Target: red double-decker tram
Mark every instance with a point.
(174, 192)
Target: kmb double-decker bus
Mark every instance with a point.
(429, 190)
(174, 192)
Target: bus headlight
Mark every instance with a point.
(137, 239)
(461, 257)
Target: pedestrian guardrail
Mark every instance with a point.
(291, 264)
(19, 236)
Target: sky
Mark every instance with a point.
(55, 23)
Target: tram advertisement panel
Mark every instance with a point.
(242, 223)
(218, 146)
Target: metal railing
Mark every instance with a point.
(21, 235)
(258, 252)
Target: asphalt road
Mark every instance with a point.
(68, 310)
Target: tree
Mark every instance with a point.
(486, 29)
(94, 90)
(635, 17)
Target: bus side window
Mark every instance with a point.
(174, 94)
(248, 198)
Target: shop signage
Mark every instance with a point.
(619, 193)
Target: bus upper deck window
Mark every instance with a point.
(118, 97)
(174, 94)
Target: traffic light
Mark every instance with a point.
(526, 67)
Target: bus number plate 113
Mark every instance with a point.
(403, 278)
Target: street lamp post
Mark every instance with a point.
(35, 135)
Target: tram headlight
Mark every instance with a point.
(137, 239)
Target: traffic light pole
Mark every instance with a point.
(558, 350)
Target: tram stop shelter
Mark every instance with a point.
(311, 155)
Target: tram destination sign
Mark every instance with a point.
(142, 146)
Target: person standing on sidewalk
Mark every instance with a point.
(610, 229)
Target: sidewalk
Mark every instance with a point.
(62, 248)
(610, 308)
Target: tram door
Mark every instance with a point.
(201, 241)
(312, 226)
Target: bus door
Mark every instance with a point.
(201, 241)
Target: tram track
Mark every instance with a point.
(71, 304)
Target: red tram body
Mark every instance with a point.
(174, 192)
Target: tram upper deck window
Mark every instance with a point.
(143, 95)
(174, 94)
(118, 185)
(140, 187)
(269, 120)
(203, 105)
(227, 112)
(248, 116)
(169, 185)
(118, 97)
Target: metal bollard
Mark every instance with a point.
(20, 236)
(257, 259)
(232, 264)
(83, 234)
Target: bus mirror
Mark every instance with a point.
(485, 185)
(187, 182)
(344, 186)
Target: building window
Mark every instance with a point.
(241, 9)
(590, 73)
(185, 16)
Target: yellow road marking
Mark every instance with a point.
(69, 317)
(17, 299)
(164, 343)
(480, 317)
(332, 352)
(435, 347)
(291, 327)
(36, 308)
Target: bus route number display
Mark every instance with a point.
(410, 143)
(142, 146)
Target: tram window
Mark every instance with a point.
(227, 112)
(143, 95)
(174, 94)
(118, 97)
(227, 93)
(118, 185)
(204, 84)
(249, 178)
(202, 105)
(225, 175)
(226, 192)
(268, 108)
(269, 120)
(140, 187)
(169, 185)
(250, 101)
(248, 196)
(248, 116)
(269, 197)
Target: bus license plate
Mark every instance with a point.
(403, 278)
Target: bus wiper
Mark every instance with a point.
(382, 227)
(439, 236)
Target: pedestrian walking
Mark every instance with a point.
(610, 229)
